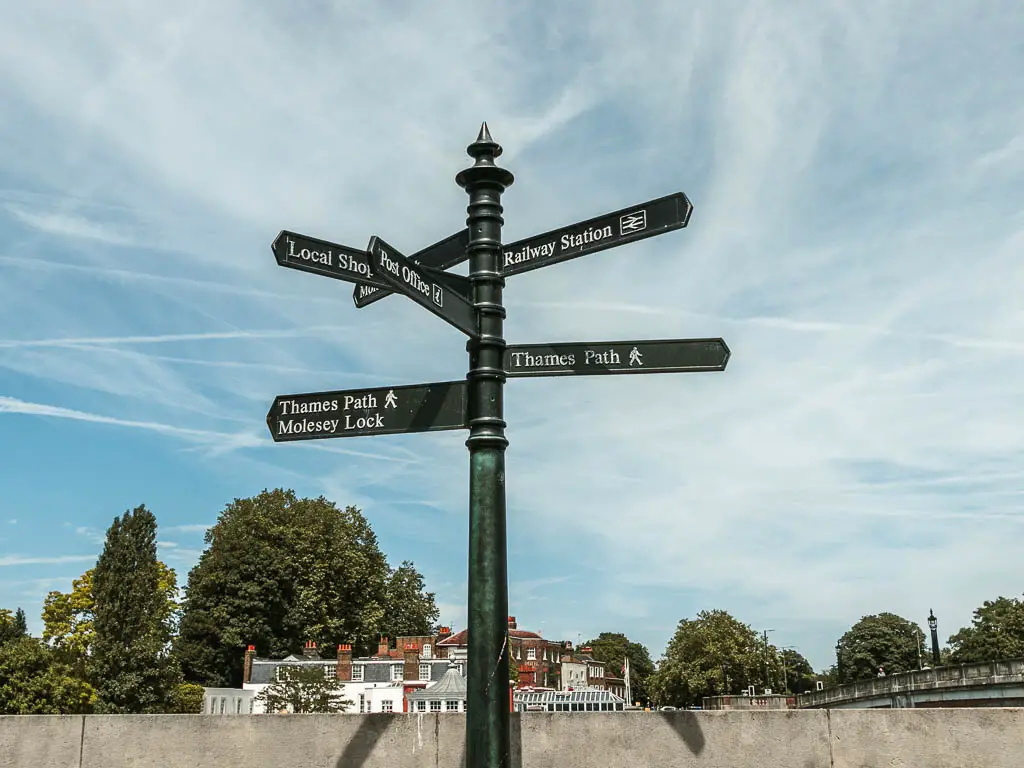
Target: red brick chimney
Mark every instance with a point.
(345, 662)
(250, 654)
(512, 622)
(411, 669)
(309, 651)
(383, 647)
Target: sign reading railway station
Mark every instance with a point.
(474, 306)
(603, 357)
(379, 411)
(655, 217)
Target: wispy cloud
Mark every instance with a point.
(14, 560)
(856, 238)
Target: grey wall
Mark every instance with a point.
(938, 738)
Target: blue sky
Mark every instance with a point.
(856, 175)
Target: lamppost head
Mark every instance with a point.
(932, 621)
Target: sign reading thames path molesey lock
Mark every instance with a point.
(474, 306)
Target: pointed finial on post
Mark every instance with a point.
(484, 151)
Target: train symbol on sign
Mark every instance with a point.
(633, 222)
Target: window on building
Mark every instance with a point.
(462, 669)
(421, 706)
(238, 706)
(424, 671)
(357, 673)
(427, 651)
(330, 672)
(451, 706)
(451, 653)
(396, 672)
(387, 706)
(435, 706)
(362, 703)
(531, 654)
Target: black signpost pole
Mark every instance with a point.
(487, 714)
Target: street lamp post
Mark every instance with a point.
(933, 625)
(764, 634)
(839, 662)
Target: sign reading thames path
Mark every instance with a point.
(474, 306)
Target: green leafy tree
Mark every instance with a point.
(302, 690)
(279, 570)
(129, 663)
(613, 648)
(186, 699)
(68, 616)
(408, 608)
(12, 626)
(996, 632)
(711, 655)
(880, 640)
(33, 681)
(798, 674)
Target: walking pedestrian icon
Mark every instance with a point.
(635, 357)
(390, 401)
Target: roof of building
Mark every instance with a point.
(375, 670)
(461, 638)
(451, 686)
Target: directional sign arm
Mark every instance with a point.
(431, 294)
(442, 255)
(614, 357)
(308, 254)
(655, 217)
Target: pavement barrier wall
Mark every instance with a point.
(936, 738)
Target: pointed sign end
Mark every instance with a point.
(277, 247)
(728, 353)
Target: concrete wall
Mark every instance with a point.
(938, 738)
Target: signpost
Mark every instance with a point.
(379, 411)
(442, 255)
(600, 357)
(474, 306)
(320, 257)
(422, 287)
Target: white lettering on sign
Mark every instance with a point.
(608, 357)
(528, 360)
(345, 261)
(586, 237)
(292, 408)
(529, 253)
(306, 426)
(386, 262)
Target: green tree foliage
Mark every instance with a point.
(711, 655)
(33, 681)
(68, 616)
(613, 648)
(996, 632)
(881, 640)
(302, 690)
(129, 663)
(279, 570)
(186, 699)
(12, 626)
(799, 676)
(408, 608)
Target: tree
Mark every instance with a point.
(278, 571)
(129, 663)
(798, 675)
(186, 699)
(68, 616)
(302, 690)
(408, 608)
(880, 640)
(34, 682)
(711, 655)
(12, 626)
(996, 632)
(613, 648)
